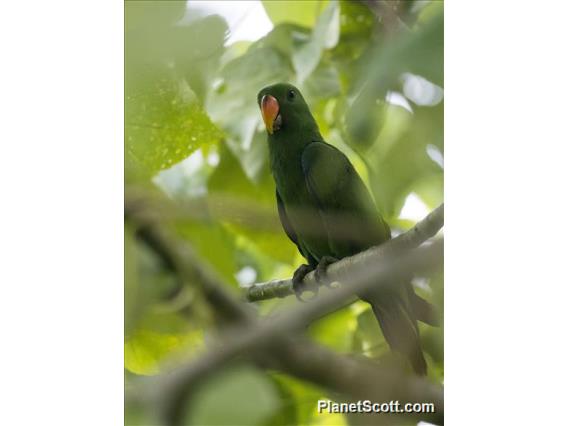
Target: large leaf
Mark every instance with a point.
(324, 36)
(336, 330)
(192, 48)
(368, 338)
(419, 51)
(146, 282)
(167, 66)
(256, 219)
(152, 13)
(304, 397)
(164, 123)
(399, 160)
(238, 396)
(146, 351)
(213, 244)
(233, 104)
(303, 12)
(357, 25)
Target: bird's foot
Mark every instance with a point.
(298, 280)
(321, 270)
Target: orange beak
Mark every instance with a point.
(269, 108)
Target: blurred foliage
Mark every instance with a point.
(193, 131)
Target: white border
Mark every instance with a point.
(61, 214)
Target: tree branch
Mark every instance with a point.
(274, 343)
(361, 378)
(351, 378)
(422, 231)
(180, 258)
(272, 338)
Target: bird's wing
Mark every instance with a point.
(351, 218)
(353, 224)
(285, 221)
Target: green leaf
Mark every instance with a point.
(132, 303)
(214, 244)
(324, 36)
(164, 118)
(237, 396)
(303, 396)
(336, 330)
(258, 223)
(146, 351)
(368, 338)
(232, 105)
(420, 51)
(135, 413)
(356, 34)
(399, 161)
(284, 38)
(164, 123)
(152, 14)
(197, 51)
(192, 49)
(322, 84)
(303, 12)
(145, 280)
(361, 128)
(287, 414)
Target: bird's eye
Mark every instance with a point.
(291, 95)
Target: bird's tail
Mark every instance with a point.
(400, 329)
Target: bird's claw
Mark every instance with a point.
(298, 281)
(321, 270)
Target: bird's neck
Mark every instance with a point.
(288, 143)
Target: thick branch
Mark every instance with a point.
(351, 378)
(180, 258)
(422, 231)
(361, 379)
(273, 338)
(274, 343)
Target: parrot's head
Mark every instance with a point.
(283, 108)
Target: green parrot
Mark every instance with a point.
(327, 211)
